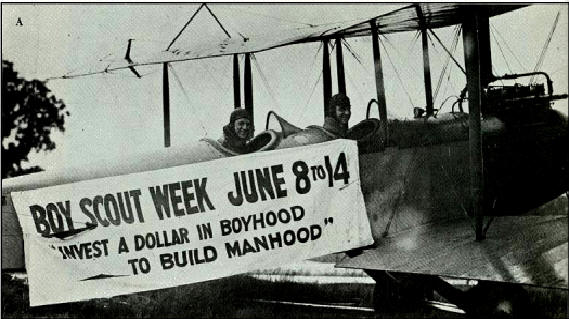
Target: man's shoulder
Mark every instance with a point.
(316, 129)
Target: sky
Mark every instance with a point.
(116, 115)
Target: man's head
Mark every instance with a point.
(339, 108)
(240, 122)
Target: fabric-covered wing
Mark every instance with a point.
(518, 249)
(436, 15)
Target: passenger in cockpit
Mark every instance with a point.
(337, 115)
(237, 132)
(336, 118)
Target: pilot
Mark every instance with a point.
(337, 115)
(237, 132)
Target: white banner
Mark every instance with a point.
(191, 223)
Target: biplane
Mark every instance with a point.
(457, 194)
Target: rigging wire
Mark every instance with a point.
(192, 18)
(185, 26)
(215, 80)
(443, 71)
(447, 63)
(217, 20)
(353, 83)
(187, 98)
(296, 107)
(501, 51)
(333, 44)
(358, 59)
(446, 100)
(355, 86)
(397, 51)
(441, 75)
(311, 93)
(447, 51)
(266, 82)
(459, 31)
(545, 46)
(508, 47)
(354, 54)
(315, 83)
(396, 72)
(494, 72)
(430, 38)
(449, 83)
(414, 42)
(407, 70)
(227, 68)
(316, 54)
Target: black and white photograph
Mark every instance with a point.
(284, 160)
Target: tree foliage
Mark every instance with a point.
(29, 114)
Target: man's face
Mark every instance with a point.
(242, 128)
(343, 113)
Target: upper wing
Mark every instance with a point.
(435, 15)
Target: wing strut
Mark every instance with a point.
(340, 67)
(248, 87)
(236, 82)
(326, 75)
(472, 59)
(486, 75)
(426, 64)
(379, 86)
(166, 89)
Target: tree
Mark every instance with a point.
(29, 114)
